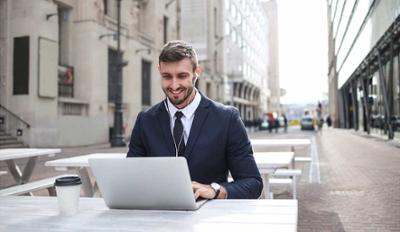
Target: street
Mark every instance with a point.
(354, 185)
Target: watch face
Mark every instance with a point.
(215, 186)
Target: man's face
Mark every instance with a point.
(177, 81)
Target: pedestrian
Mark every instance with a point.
(329, 121)
(319, 110)
(271, 123)
(276, 124)
(211, 136)
(285, 123)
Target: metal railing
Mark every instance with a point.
(12, 124)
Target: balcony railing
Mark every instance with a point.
(65, 81)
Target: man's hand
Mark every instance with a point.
(205, 191)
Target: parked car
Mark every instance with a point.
(396, 123)
(307, 123)
(264, 125)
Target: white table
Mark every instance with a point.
(11, 155)
(268, 162)
(292, 143)
(41, 214)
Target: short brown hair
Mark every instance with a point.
(178, 50)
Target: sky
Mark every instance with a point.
(303, 50)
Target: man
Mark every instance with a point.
(209, 135)
(285, 122)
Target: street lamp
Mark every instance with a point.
(117, 138)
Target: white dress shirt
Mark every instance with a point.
(188, 114)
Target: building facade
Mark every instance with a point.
(57, 75)
(232, 44)
(364, 63)
(58, 62)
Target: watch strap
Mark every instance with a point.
(217, 193)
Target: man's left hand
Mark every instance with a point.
(205, 191)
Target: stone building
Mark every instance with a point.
(57, 66)
(57, 62)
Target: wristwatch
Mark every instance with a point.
(217, 189)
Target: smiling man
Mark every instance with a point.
(211, 136)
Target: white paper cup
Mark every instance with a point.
(68, 192)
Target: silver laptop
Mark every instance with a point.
(158, 183)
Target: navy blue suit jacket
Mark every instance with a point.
(217, 143)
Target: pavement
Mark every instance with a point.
(357, 186)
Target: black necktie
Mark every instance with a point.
(178, 134)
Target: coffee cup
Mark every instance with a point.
(68, 190)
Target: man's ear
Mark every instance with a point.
(196, 75)
(197, 72)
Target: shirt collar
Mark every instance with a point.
(189, 110)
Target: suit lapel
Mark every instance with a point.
(198, 121)
(164, 123)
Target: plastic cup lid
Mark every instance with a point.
(68, 181)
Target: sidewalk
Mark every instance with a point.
(360, 185)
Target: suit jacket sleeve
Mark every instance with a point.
(247, 180)
(136, 144)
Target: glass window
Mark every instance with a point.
(110, 8)
(227, 28)
(239, 18)
(21, 65)
(233, 12)
(165, 29)
(227, 5)
(146, 83)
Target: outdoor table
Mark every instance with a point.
(292, 143)
(267, 162)
(11, 155)
(41, 214)
(80, 164)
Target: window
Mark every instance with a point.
(63, 36)
(105, 5)
(110, 8)
(227, 28)
(165, 29)
(112, 75)
(239, 18)
(215, 23)
(21, 65)
(146, 83)
(227, 5)
(208, 89)
(233, 12)
(216, 61)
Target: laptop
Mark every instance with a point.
(156, 183)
